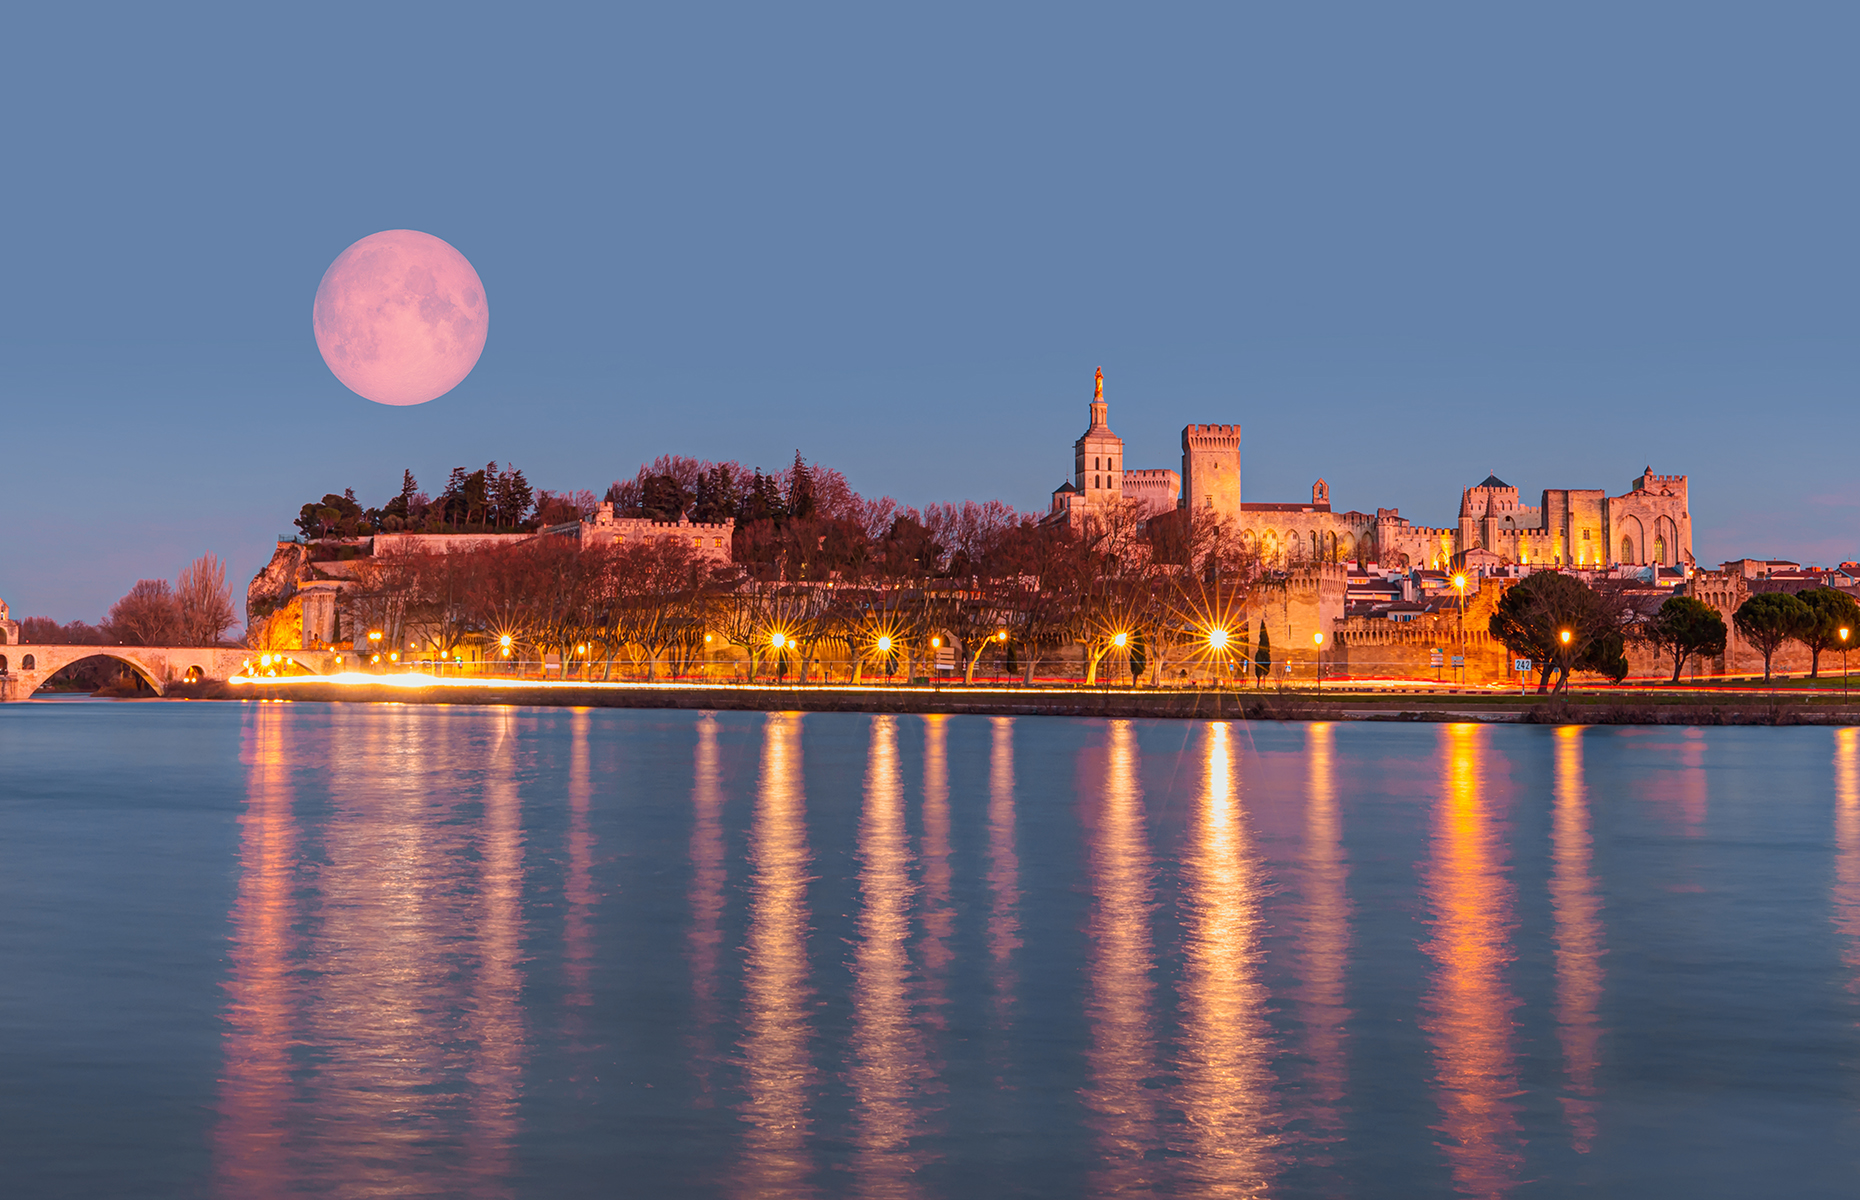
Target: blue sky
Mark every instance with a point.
(1403, 246)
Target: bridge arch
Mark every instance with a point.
(55, 663)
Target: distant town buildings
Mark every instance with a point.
(1648, 525)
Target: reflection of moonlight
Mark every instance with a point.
(400, 317)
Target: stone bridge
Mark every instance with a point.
(24, 667)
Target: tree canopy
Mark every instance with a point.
(1768, 619)
(1685, 626)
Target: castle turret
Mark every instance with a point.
(1211, 469)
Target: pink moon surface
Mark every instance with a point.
(401, 317)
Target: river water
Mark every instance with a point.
(274, 949)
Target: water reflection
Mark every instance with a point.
(887, 1050)
(938, 917)
(402, 1047)
(1577, 907)
(1122, 1051)
(497, 1024)
(1003, 871)
(1468, 1007)
(1324, 947)
(778, 1074)
(256, 1094)
(1847, 848)
(708, 877)
(1227, 1082)
(578, 889)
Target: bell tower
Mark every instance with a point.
(1098, 456)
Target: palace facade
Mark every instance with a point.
(1648, 525)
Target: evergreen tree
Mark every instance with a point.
(1262, 659)
(452, 500)
(1768, 619)
(800, 497)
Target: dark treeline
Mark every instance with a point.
(671, 488)
(1563, 625)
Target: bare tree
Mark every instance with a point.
(147, 616)
(203, 602)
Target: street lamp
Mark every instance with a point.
(1564, 636)
(1459, 584)
(1844, 685)
(1317, 641)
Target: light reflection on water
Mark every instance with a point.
(1226, 1091)
(1468, 1008)
(515, 953)
(778, 1071)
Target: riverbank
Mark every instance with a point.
(1599, 707)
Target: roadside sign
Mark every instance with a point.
(1434, 658)
(1459, 660)
(1521, 665)
(945, 658)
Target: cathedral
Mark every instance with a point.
(1649, 525)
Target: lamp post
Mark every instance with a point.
(1564, 636)
(374, 646)
(1317, 640)
(1459, 584)
(884, 650)
(1217, 642)
(1119, 640)
(1844, 684)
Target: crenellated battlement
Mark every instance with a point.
(1210, 437)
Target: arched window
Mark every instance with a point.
(2, 664)
(1659, 549)
(27, 664)
(1627, 550)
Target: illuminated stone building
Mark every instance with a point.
(1648, 525)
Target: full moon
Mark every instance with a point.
(400, 317)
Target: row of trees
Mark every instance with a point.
(196, 610)
(1564, 625)
(488, 500)
(976, 577)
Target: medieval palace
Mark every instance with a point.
(1649, 525)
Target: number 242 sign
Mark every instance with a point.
(1521, 665)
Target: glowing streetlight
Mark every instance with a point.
(1001, 635)
(778, 640)
(374, 635)
(935, 642)
(1317, 643)
(884, 643)
(1217, 639)
(1565, 636)
(1844, 684)
(1459, 585)
(1121, 640)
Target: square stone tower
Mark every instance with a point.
(1211, 469)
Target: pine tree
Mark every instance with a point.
(800, 490)
(1262, 659)
(452, 500)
